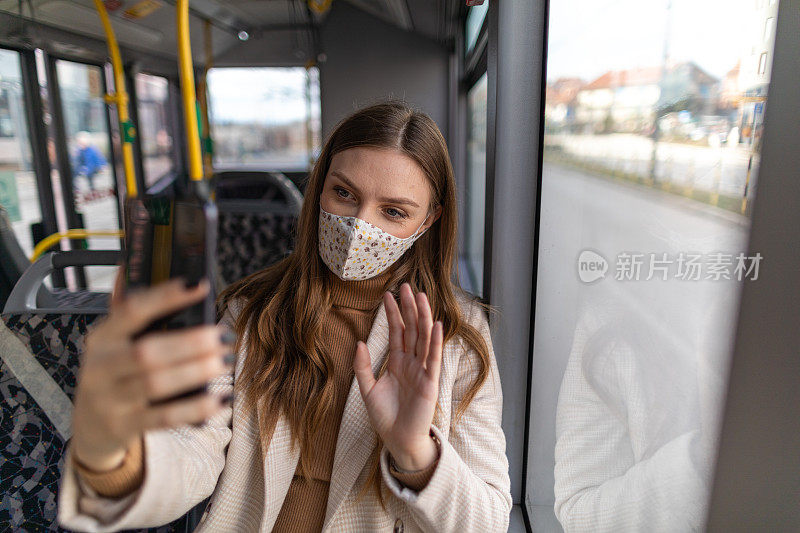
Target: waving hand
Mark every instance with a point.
(402, 402)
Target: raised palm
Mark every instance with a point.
(401, 403)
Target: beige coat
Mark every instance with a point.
(469, 490)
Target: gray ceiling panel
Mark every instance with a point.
(270, 20)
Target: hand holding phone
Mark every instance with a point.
(126, 377)
(170, 238)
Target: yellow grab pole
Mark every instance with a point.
(120, 99)
(187, 91)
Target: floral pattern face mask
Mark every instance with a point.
(356, 250)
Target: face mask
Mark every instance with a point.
(354, 249)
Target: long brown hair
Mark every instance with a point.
(287, 366)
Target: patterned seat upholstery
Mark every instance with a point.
(251, 241)
(257, 215)
(31, 445)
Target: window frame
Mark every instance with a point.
(519, 87)
(471, 66)
(131, 72)
(62, 148)
(762, 407)
(37, 137)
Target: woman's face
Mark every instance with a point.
(380, 185)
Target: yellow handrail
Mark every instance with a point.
(188, 93)
(319, 6)
(50, 240)
(120, 99)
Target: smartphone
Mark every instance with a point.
(169, 236)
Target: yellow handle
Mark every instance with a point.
(187, 91)
(120, 99)
(319, 6)
(46, 243)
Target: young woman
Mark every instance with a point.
(349, 412)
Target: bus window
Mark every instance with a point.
(155, 130)
(475, 186)
(274, 124)
(475, 17)
(88, 145)
(18, 192)
(650, 159)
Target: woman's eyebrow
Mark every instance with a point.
(407, 201)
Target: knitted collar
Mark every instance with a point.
(364, 294)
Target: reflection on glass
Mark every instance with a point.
(155, 133)
(88, 143)
(472, 260)
(18, 193)
(651, 153)
(274, 124)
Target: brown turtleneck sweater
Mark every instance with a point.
(350, 319)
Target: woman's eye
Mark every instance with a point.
(341, 192)
(398, 214)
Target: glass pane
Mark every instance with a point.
(472, 260)
(19, 195)
(475, 18)
(275, 124)
(651, 154)
(155, 131)
(88, 143)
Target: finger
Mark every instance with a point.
(162, 349)
(138, 309)
(409, 317)
(156, 386)
(185, 411)
(117, 293)
(425, 327)
(395, 323)
(435, 352)
(362, 365)
(167, 382)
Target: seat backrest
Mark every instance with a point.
(257, 185)
(14, 261)
(31, 295)
(250, 239)
(258, 213)
(39, 360)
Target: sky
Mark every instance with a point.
(589, 37)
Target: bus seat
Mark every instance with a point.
(40, 345)
(257, 216)
(257, 212)
(252, 235)
(14, 260)
(31, 295)
(256, 185)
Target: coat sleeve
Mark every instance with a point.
(181, 468)
(600, 484)
(470, 489)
